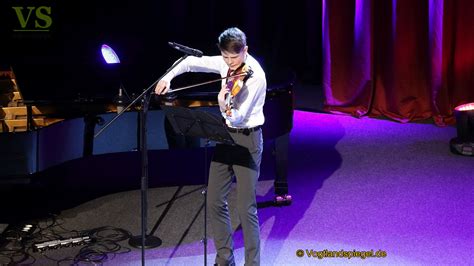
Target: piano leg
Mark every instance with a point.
(90, 121)
(281, 168)
(89, 127)
(30, 123)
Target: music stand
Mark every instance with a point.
(196, 123)
(201, 124)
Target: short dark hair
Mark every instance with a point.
(232, 40)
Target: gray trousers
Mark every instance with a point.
(243, 162)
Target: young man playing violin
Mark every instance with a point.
(241, 101)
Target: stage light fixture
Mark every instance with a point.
(109, 55)
(111, 58)
(463, 144)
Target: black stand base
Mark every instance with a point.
(461, 147)
(150, 242)
(283, 200)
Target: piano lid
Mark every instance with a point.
(52, 80)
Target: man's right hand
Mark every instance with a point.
(162, 87)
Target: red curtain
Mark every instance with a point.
(403, 59)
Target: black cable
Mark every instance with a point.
(67, 260)
(104, 246)
(104, 243)
(55, 260)
(16, 257)
(115, 234)
(91, 256)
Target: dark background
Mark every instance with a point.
(66, 62)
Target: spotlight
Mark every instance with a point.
(109, 54)
(464, 142)
(111, 58)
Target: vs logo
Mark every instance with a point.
(33, 18)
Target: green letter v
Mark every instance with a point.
(19, 14)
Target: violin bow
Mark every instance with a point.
(206, 82)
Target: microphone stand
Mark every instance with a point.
(143, 241)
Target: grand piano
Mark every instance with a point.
(54, 140)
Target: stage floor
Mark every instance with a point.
(359, 186)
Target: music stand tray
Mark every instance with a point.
(196, 123)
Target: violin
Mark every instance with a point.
(235, 81)
(244, 75)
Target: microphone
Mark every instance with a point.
(185, 49)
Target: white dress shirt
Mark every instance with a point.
(248, 104)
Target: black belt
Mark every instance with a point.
(245, 131)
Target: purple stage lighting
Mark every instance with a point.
(109, 55)
(464, 142)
